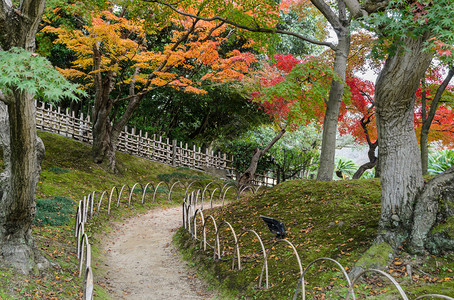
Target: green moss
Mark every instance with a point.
(323, 219)
(447, 226)
(376, 257)
(55, 211)
(337, 219)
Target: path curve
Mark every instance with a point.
(142, 263)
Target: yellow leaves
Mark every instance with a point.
(71, 73)
(194, 90)
(166, 75)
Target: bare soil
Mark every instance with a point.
(141, 262)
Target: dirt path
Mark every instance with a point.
(141, 262)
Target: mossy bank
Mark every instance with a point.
(336, 219)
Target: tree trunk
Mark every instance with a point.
(400, 164)
(427, 120)
(248, 175)
(423, 143)
(426, 210)
(328, 149)
(23, 151)
(106, 131)
(371, 153)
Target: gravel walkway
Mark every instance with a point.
(141, 262)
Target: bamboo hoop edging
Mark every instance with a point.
(217, 254)
(132, 192)
(302, 282)
(157, 188)
(265, 256)
(84, 212)
(145, 190)
(171, 189)
(121, 191)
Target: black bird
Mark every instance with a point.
(275, 226)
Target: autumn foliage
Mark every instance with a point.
(292, 91)
(124, 45)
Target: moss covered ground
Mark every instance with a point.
(67, 176)
(337, 220)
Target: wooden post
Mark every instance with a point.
(147, 148)
(58, 120)
(194, 156)
(174, 153)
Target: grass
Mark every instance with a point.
(67, 176)
(336, 219)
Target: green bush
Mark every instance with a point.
(55, 211)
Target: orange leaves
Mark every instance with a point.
(231, 68)
(129, 53)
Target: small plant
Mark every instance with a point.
(55, 211)
(440, 161)
(345, 167)
(58, 170)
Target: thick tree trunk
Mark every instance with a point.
(426, 210)
(248, 175)
(326, 167)
(400, 164)
(23, 151)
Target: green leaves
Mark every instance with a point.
(401, 20)
(25, 71)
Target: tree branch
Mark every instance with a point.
(252, 29)
(355, 9)
(329, 14)
(433, 106)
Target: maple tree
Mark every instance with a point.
(434, 120)
(292, 92)
(408, 205)
(359, 120)
(258, 17)
(118, 61)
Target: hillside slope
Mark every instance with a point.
(336, 219)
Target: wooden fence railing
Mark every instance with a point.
(151, 147)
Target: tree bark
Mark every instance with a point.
(328, 148)
(23, 151)
(400, 164)
(248, 175)
(426, 210)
